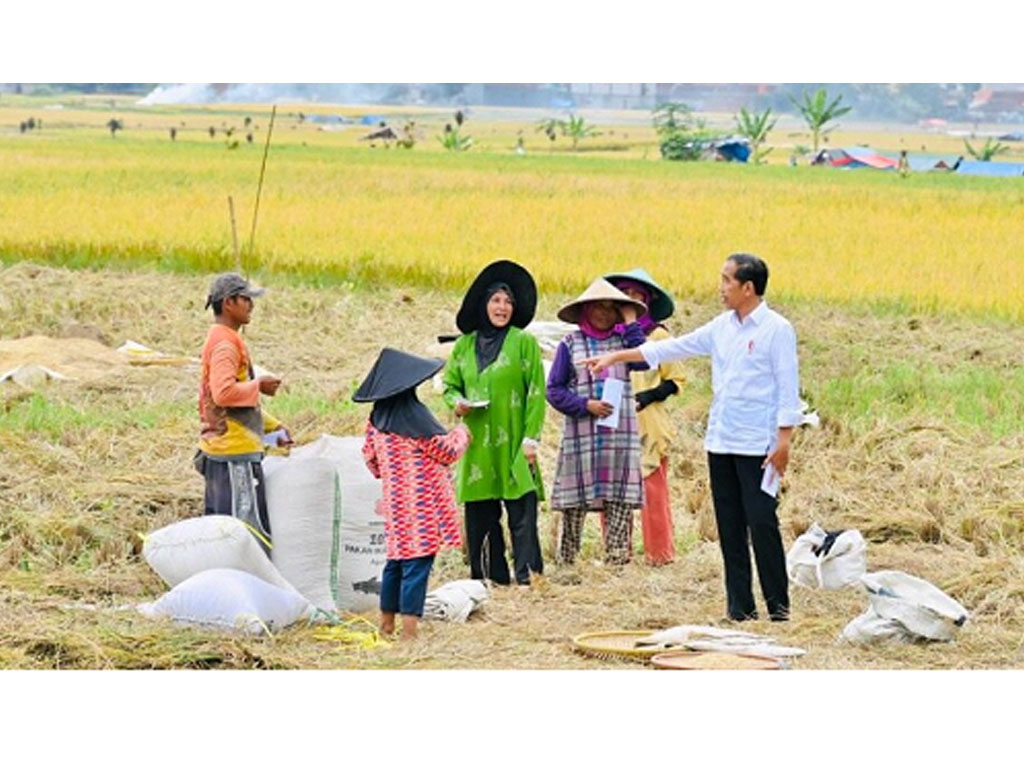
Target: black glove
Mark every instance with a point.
(661, 392)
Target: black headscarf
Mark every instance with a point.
(404, 414)
(489, 339)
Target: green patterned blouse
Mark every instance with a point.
(494, 466)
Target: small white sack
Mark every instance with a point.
(844, 563)
(869, 627)
(922, 608)
(183, 549)
(225, 598)
(455, 601)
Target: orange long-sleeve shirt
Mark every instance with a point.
(231, 421)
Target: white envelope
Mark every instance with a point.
(612, 394)
(770, 481)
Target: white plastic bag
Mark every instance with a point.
(843, 564)
(304, 503)
(183, 549)
(922, 608)
(869, 627)
(456, 600)
(225, 598)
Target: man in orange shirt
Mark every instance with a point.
(233, 428)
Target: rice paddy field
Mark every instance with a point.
(905, 293)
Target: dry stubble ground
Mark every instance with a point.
(88, 465)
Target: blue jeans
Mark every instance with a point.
(403, 585)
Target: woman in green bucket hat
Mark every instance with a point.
(651, 389)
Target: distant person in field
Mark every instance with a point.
(755, 405)
(233, 427)
(409, 450)
(494, 381)
(651, 388)
(599, 466)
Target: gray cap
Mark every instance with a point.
(231, 284)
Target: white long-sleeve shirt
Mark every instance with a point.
(754, 377)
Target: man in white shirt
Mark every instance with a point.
(755, 405)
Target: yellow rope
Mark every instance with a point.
(354, 630)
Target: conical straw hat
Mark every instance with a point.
(662, 305)
(599, 290)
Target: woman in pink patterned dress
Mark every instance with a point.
(409, 450)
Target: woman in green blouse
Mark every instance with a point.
(494, 380)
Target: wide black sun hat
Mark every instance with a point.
(516, 277)
(393, 373)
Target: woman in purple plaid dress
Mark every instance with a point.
(599, 467)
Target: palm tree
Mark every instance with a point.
(754, 128)
(453, 141)
(817, 111)
(987, 151)
(576, 128)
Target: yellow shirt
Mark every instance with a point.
(656, 433)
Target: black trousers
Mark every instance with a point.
(746, 516)
(486, 540)
(236, 488)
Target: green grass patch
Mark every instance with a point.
(986, 399)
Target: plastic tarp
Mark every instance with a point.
(871, 158)
(930, 162)
(980, 168)
(734, 150)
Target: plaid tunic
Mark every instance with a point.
(596, 464)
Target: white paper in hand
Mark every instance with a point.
(770, 481)
(612, 394)
(270, 438)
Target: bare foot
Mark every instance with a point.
(409, 627)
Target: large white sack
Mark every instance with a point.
(182, 549)
(843, 564)
(226, 598)
(362, 548)
(304, 503)
(920, 607)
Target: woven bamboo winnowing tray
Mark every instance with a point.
(713, 660)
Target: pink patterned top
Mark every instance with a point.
(417, 495)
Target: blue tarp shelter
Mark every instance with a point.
(931, 162)
(979, 168)
(734, 149)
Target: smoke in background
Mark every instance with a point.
(276, 93)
